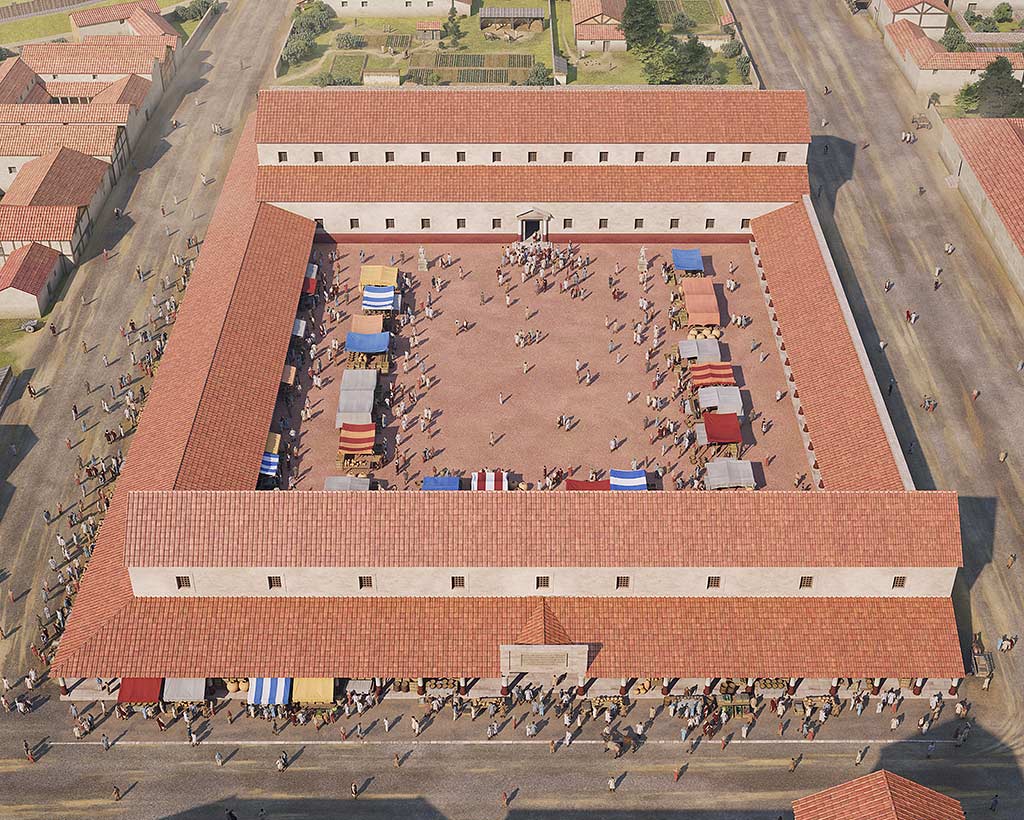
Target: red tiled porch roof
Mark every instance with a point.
(880, 795)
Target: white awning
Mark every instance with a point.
(729, 472)
(177, 690)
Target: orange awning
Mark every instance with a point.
(357, 438)
(712, 374)
(373, 323)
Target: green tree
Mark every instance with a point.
(694, 62)
(1003, 13)
(298, 48)
(452, 28)
(987, 25)
(1018, 47)
(323, 79)
(640, 23)
(732, 49)
(5, 53)
(1000, 94)
(660, 63)
(743, 67)
(953, 39)
(967, 99)
(539, 74)
(682, 23)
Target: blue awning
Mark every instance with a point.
(263, 691)
(628, 479)
(269, 464)
(687, 259)
(441, 482)
(378, 297)
(368, 342)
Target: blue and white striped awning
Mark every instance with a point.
(263, 691)
(628, 479)
(378, 297)
(269, 464)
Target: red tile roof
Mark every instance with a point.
(543, 628)
(880, 795)
(99, 55)
(994, 150)
(111, 14)
(75, 113)
(208, 427)
(145, 22)
(59, 88)
(583, 10)
(62, 177)
(587, 31)
(543, 183)
(28, 268)
(37, 223)
(850, 443)
(154, 42)
(926, 53)
(764, 529)
(897, 6)
(409, 637)
(428, 25)
(562, 115)
(15, 77)
(130, 90)
(34, 140)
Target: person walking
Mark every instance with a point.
(992, 806)
(219, 759)
(116, 794)
(860, 757)
(354, 788)
(611, 784)
(105, 742)
(792, 764)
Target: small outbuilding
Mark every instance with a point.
(28, 280)
(428, 29)
(511, 16)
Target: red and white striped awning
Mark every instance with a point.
(490, 480)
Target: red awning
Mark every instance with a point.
(309, 284)
(577, 484)
(701, 301)
(139, 690)
(722, 428)
(712, 374)
(357, 438)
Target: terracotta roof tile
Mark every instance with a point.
(583, 10)
(562, 115)
(587, 31)
(34, 140)
(880, 795)
(97, 55)
(28, 267)
(145, 22)
(543, 183)
(543, 628)
(111, 14)
(15, 77)
(409, 637)
(897, 6)
(130, 90)
(153, 42)
(428, 25)
(850, 443)
(37, 223)
(60, 88)
(62, 177)
(764, 529)
(994, 150)
(77, 113)
(928, 54)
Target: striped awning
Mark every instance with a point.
(378, 297)
(269, 464)
(707, 375)
(265, 691)
(357, 438)
(627, 479)
(490, 480)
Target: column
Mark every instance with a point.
(664, 686)
(504, 685)
(954, 686)
(63, 686)
(708, 683)
(919, 685)
(421, 686)
(624, 686)
(834, 688)
(378, 688)
(791, 686)
(876, 685)
(462, 686)
(750, 687)
(581, 685)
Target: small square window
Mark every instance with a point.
(709, 157)
(638, 224)
(282, 156)
(12, 169)
(567, 222)
(318, 156)
(806, 581)
(389, 156)
(782, 156)
(95, 76)
(622, 582)
(673, 223)
(602, 223)
(638, 156)
(366, 582)
(460, 156)
(183, 582)
(899, 582)
(495, 223)
(567, 156)
(344, 4)
(424, 223)
(714, 582)
(460, 223)
(353, 156)
(430, 4)
(408, 4)
(424, 156)
(353, 223)
(745, 157)
(531, 156)
(273, 582)
(364, 4)
(543, 581)
(495, 156)
(673, 157)
(744, 223)
(709, 224)
(602, 156)
(458, 582)
(389, 223)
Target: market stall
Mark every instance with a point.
(489, 480)
(701, 302)
(380, 275)
(712, 374)
(688, 260)
(184, 690)
(139, 690)
(346, 483)
(368, 351)
(380, 299)
(700, 350)
(587, 486)
(446, 483)
(627, 479)
(313, 690)
(267, 691)
(367, 323)
(721, 399)
(723, 473)
(356, 448)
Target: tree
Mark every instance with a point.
(640, 23)
(953, 39)
(682, 23)
(660, 63)
(1018, 47)
(986, 24)
(539, 74)
(298, 48)
(694, 62)
(1000, 94)
(5, 53)
(732, 49)
(451, 28)
(743, 67)
(314, 19)
(967, 99)
(1003, 13)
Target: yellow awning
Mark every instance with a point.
(378, 275)
(288, 374)
(313, 690)
(273, 442)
